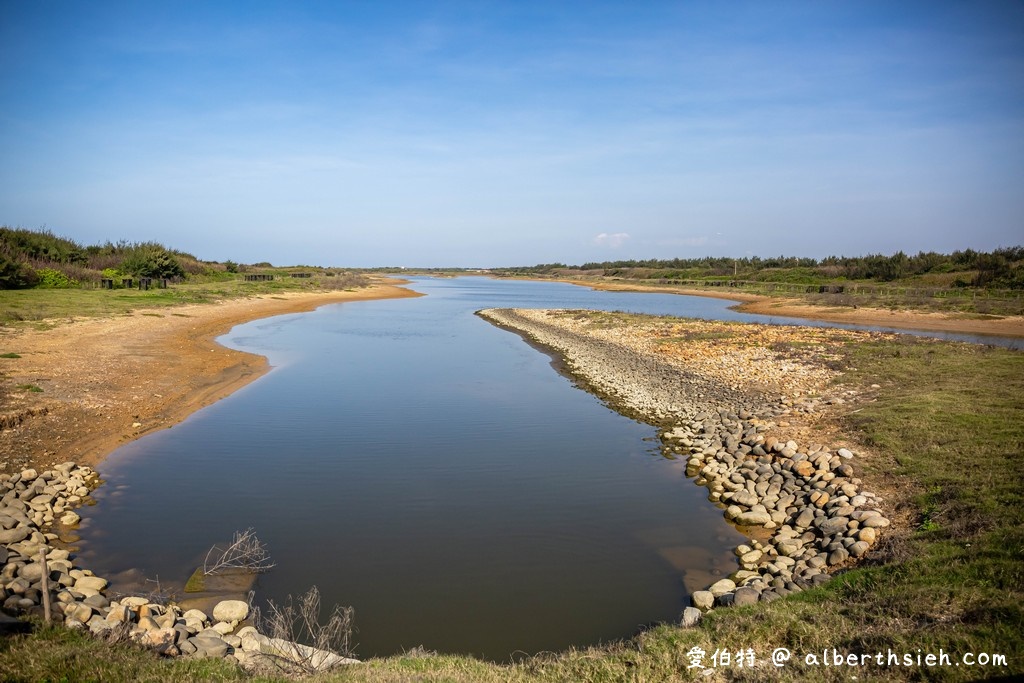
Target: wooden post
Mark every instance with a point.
(46, 585)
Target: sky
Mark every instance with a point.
(488, 134)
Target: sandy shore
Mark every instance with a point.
(108, 381)
(1000, 326)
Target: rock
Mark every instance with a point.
(231, 610)
(751, 557)
(208, 646)
(168, 620)
(787, 548)
(80, 612)
(97, 602)
(691, 617)
(98, 625)
(721, 587)
(160, 640)
(194, 615)
(224, 627)
(844, 453)
(838, 556)
(745, 596)
(804, 469)
(93, 583)
(868, 535)
(31, 572)
(833, 525)
(804, 519)
(703, 600)
(858, 548)
(753, 518)
(15, 535)
(70, 519)
(319, 660)
(121, 613)
(147, 623)
(253, 641)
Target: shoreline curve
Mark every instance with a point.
(109, 381)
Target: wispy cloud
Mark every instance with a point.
(612, 240)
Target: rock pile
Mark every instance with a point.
(808, 499)
(33, 502)
(804, 500)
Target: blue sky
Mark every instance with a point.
(514, 133)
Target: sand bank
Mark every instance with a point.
(1000, 326)
(108, 381)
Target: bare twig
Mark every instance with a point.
(298, 638)
(245, 552)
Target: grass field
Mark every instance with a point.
(47, 307)
(945, 434)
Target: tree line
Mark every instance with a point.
(1001, 268)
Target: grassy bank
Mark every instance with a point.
(45, 307)
(943, 435)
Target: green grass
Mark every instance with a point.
(945, 437)
(10, 355)
(47, 307)
(29, 387)
(58, 654)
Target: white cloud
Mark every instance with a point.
(613, 240)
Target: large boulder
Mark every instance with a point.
(231, 610)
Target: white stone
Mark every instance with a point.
(231, 610)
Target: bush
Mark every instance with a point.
(154, 262)
(50, 278)
(16, 274)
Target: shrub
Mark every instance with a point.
(301, 642)
(152, 262)
(16, 274)
(51, 278)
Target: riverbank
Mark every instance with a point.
(903, 319)
(727, 397)
(937, 430)
(79, 390)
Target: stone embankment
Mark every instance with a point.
(33, 506)
(804, 502)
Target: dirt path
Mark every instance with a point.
(108, 381)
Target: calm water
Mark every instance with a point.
(430, 470)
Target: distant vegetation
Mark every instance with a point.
(38, 259)
(1001, 269)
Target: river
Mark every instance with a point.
(429, 470)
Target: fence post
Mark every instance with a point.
(46, 585)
